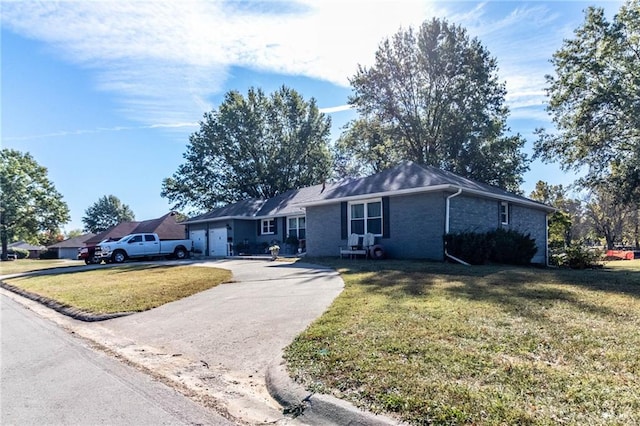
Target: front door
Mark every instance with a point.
(218, 242)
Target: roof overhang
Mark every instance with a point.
(435, 188)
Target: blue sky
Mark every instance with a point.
(106, 93)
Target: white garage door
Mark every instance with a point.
(218, 242)
(198, 238)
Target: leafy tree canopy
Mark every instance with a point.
(105, 213)
(564, 223)
(253, 146)
(594, 100)
(432, 96)
(30, 205)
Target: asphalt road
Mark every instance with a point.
(48, 376)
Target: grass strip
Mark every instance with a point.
(434, 343)
(126, 288)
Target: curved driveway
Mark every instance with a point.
(242, 325)
(216, 345)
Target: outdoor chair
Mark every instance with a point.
(353, 247)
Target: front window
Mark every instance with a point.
(297, 227)
(268, 226)
(365, 217)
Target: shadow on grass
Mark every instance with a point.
(112, 268)
(519, 290)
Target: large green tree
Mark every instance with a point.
(594, 101)
(433, 96)
(30, 205)
(105, 213)
(607, 216)
(253, 146)
(567, 223)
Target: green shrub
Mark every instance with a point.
(577, 257)
(511, 247)
(20, 253)
(499, 246)
(472, 247)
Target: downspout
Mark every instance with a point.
(546, 240)
(447, 217)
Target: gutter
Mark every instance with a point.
(447, 217)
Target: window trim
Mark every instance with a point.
(504, 213)
(366, 217)
(272, 226)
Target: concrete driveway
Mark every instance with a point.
(243, 325)
(215, 346)
(221, 341)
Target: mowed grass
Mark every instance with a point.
(26, 265)
(127, 288)
(434, 343)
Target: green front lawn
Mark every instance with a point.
(434, 343)
(126, 288)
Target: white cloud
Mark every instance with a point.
(166, 59)
(63, 133)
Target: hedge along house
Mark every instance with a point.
(409, 208)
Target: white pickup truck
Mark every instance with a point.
(134, 246)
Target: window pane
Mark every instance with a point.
(374, 209)
(268, 226)
(357, 226)
(302, 234)
(302, 222)
(293, 223)
(374, 226)
(357, 211)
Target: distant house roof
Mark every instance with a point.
(25, 246)
(73, 242)
(165, 226)
(405, 178)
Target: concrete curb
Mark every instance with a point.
(316, 408)
(63, 309)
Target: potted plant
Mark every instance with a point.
(275, 250)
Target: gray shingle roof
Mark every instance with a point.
(406, 177)
(73, 242)
(410, 176)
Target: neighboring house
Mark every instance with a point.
(408, 208)
(68, 249)
(165, 226)
(34, 251)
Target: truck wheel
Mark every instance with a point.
(87, 262)
(180, 253)
(118, 257)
